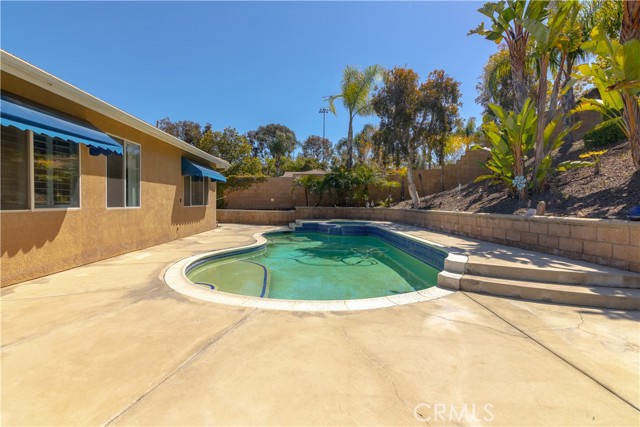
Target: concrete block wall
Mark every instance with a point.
(259, 195)
(589, 120)
(286, 196)
(613, 243)
(256, 217)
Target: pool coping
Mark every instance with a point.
(448, 281)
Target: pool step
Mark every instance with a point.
(574, 274)
(583, 295)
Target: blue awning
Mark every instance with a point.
(193, 169)
(28, 117)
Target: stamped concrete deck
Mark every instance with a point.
(110, 344)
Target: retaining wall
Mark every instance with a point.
(613, 243)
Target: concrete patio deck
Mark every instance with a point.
(110, 344)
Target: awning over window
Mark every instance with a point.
(193, 169)
(27, 117)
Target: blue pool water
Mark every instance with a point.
(317, 266)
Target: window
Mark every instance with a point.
(55, 173)
(115, 181)
(133, 174)
(38, 171)
(14, 182)
(123, 177)
(196, 191)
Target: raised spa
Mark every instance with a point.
(323, 261)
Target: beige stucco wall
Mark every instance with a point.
(34, 244)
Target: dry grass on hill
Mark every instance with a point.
(577, 192)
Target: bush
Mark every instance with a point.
(604, 134)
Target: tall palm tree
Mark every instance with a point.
(507, 25)
(355, 91)
(561, 34)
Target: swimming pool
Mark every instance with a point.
(317, 266)
(322, 266)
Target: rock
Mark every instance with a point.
(541, 208)
(581, 214)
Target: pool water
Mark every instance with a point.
(314, 266)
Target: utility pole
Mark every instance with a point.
(324, 112)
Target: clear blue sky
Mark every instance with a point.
(241, 64)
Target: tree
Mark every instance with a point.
(274, 140)
(355, 92)
(340, 152)
(402, 109)
(318, 148)
(244, 168)
(606, 13)
(507, 25)
(441, 94)
(342, 180)
(312, 184)
(590, 12)
(495, 85)
(301, 164)
(188, 131)
(556, 30)
(234, 148)
(364, 147)
(364, 177)
(467, 132)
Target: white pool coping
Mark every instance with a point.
(175, 276)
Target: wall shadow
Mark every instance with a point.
(24, 231)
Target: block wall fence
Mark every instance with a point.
(286, 195)
(613, 243)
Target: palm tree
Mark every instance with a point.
(507, 25)
(561, 34)
(366, 176)
(356, 88)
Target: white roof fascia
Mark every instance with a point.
(17, 67)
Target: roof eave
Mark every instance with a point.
(40, 78)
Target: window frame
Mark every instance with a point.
(124, 142)
(32, 182)
(205, 192)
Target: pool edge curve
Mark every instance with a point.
(448, 282)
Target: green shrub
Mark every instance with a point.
(604, 134)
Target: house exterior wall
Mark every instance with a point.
(37, 243)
